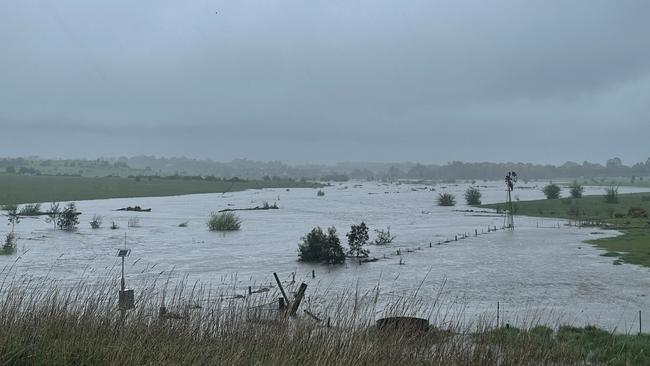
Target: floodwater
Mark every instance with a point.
(542, 270)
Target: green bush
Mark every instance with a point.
(611, 194)
(67, 219)
(576, 190)
(473, 196)
(96, 222)
(552, 191)
(9, 246)
(226, 221)
(317, 246)
(383, 237)
(446, 199)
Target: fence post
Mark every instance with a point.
(498, 314)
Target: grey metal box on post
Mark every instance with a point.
(127, 299)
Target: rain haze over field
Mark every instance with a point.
(335, 80)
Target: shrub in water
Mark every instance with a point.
(96, 222)
(226, 221)
(446, 199)
(133, 222)
(9, 246)
(383, 237)
(552, 191)
(317, 246)
(473, 196)
(576, 190)
(67, 219)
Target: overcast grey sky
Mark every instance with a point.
(325, 81)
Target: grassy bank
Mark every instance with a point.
(26, 189)
(631, 247)
(82, 326)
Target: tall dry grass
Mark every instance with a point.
(47, 324)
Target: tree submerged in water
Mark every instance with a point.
(552, 191)
(96, 222)
(317, 246)
(383, 237)
(473, 196)
(9, 246)
(357, 238)
(576, 189)
(67, 220)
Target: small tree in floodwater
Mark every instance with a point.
(12, 213)
(473, 196)
(357, 238)
(552, 191)
(576, 189)
(9, 246)
(53, 214)
(317, 246)
(67, 219)
(611, 194)
(383, 237)
(96, 221)
(446, 199)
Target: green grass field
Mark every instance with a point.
(631, 247)
(27, 189)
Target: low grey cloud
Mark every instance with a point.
(325, 81)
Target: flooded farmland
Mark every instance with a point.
(542, 270)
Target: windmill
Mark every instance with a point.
(511, 179)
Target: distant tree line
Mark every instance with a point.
(274, 170)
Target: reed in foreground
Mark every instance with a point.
(81, 325)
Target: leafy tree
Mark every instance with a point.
(611, 194)
(67, 219)
(473, 196)
(446, 199)
(311, 248)
(576, 189)
(357, 238)
(552, 191)
(333, 251)
(317, 246)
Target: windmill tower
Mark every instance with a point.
(511, 179)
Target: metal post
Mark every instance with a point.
(123, 283)
(497, 314)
